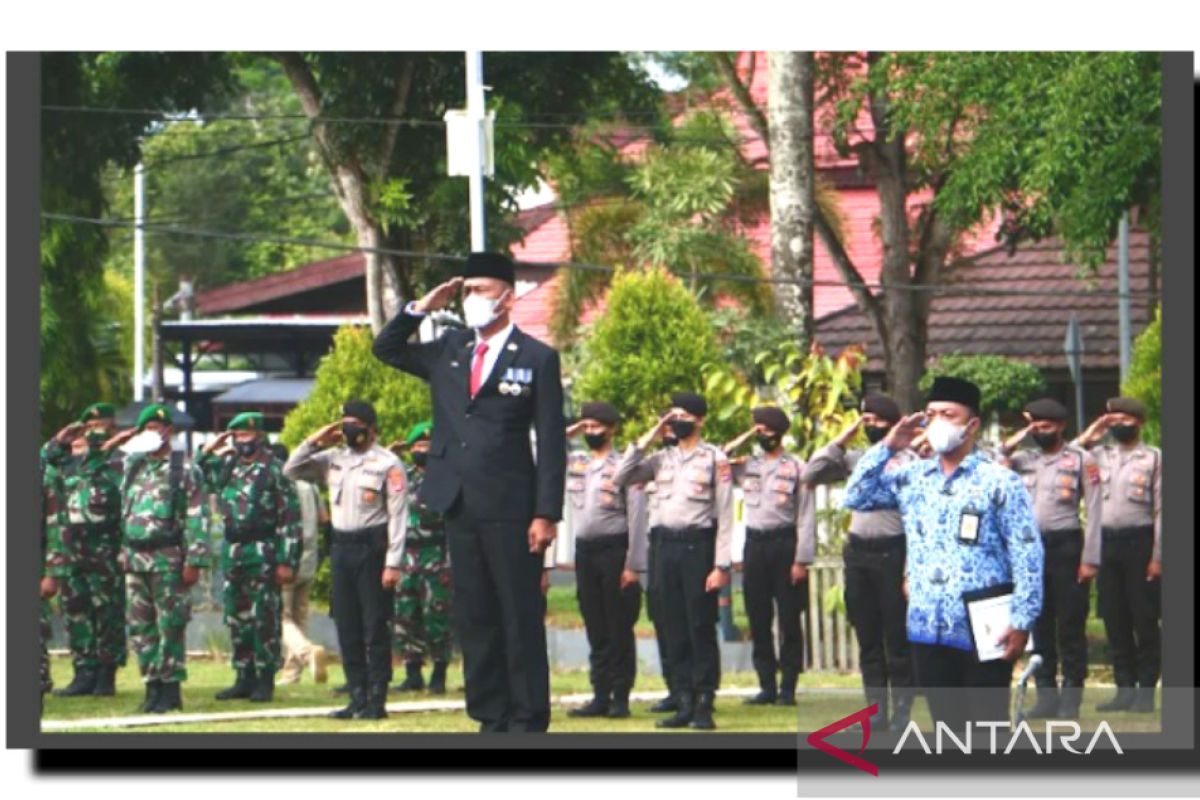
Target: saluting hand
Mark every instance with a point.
(904, 432)
(653, 433)
(329, 435)
(439, 296)
(119, 439)
(741, 439)
(68, 432)
(1011, 442)
(217, 443)
(845, 436)
(574, 430)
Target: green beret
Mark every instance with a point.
(151, 413)
(246, 421)
(98, 411)
(419, 431)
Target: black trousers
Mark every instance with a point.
(877, 608)
(499, 616)
(1131, 607)
(960, 688)
(689, 612)
(609, 612)
(361, 607)
(654, 611)
(1060, 630)
(767, 586)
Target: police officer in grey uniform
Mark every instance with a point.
(609, 525)
(781, 536)
(874, 557)
(1058, 476)
(691, 510)
(1130, 552)
(368, 491)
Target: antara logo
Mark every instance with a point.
(1022, 730)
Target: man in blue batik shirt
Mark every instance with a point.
(969, 526)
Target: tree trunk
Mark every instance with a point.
(789, 114)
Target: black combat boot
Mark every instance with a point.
(667, 704)
(618, 707)
(768, 693)
(787, 688)
(437, 678)
(376, 703)
(413, 681)
(169, 699)
(1143, 700)
(682, 715)
(901, 710)
(1047, 703)
(702, 716)
(264, 687)
(83, 682)
(358, 701)
(242, 688)
(153, 689)
(106, 681)
(596, 707)
(1068, 703)
(1121, 701)
(879, 696)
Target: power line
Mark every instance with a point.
(943, 289)
(224, 151)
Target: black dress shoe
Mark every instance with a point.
(1121, 701)
(763, 698)
(596, 707)
(666, 705)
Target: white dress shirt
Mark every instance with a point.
(495, 343)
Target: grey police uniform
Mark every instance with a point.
(368, 495)
(1131, 487)
(875, 603)
(1057, 483)
(781, 530)
(691, 516)
(609, 524)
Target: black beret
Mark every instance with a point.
(1127, 405)
(359, 409)
(947, 389)
(602, 412)
(490, 265)
(692, 403)
(1047, 408)
(881, 406)
(772, 417)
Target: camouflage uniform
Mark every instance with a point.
(163, 526)
(260, 508)
(51, 552)
(422, 610)
(87, 567)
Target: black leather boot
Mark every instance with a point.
(106, 681)
(1121, 701)
(169, 699)
(376, 704)
(153, 688)
(358, 701)
(242, 688)
(82, 683)
(682, 715)
(618, 707)
(596, 707)
(437, 679)
(264, 687)
(702, 715)
(768, 693)
(413, 681)
(666, 705)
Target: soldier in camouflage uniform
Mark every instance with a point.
(261, 550)
(422, 612)
(51, 545)
(165, 545)
(85, 564)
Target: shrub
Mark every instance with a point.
(1145, 377)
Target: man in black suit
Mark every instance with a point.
(490, 387)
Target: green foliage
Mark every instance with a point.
(742, 336)
(1145, 377)
(653, 340)
(350, 371)
(1005, 383)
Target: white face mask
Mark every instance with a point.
(944, 436)
(478, 311)
(145, 442)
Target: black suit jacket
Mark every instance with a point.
(480, 447)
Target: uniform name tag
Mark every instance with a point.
(968, 527)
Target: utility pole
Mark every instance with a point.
(476, 114)
(1125, 332)
(139, 281)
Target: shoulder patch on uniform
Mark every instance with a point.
(724, 472)
(1093, 472)
(396, 480)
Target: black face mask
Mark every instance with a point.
(683, 428)
(356, 435)
(769, 443)
(876, 433)
(1124, 433)
(420, 457)
(595, 440)
(95, 438)
(246, 449)
(1045, 440)
(669, 440)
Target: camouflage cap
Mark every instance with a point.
(246, 421)
(98, 411)
(155, 412)
(419, 431)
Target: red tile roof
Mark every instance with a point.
(244, 294)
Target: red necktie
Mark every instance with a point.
(477, 367)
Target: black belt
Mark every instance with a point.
(602, 541)
(361, 537)
(685, 534)
(1127, 533)
(155, 542)
(875, 543)
(1062, 535)
(770, 534)
(247, 535)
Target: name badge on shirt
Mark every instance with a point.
(968, 527)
